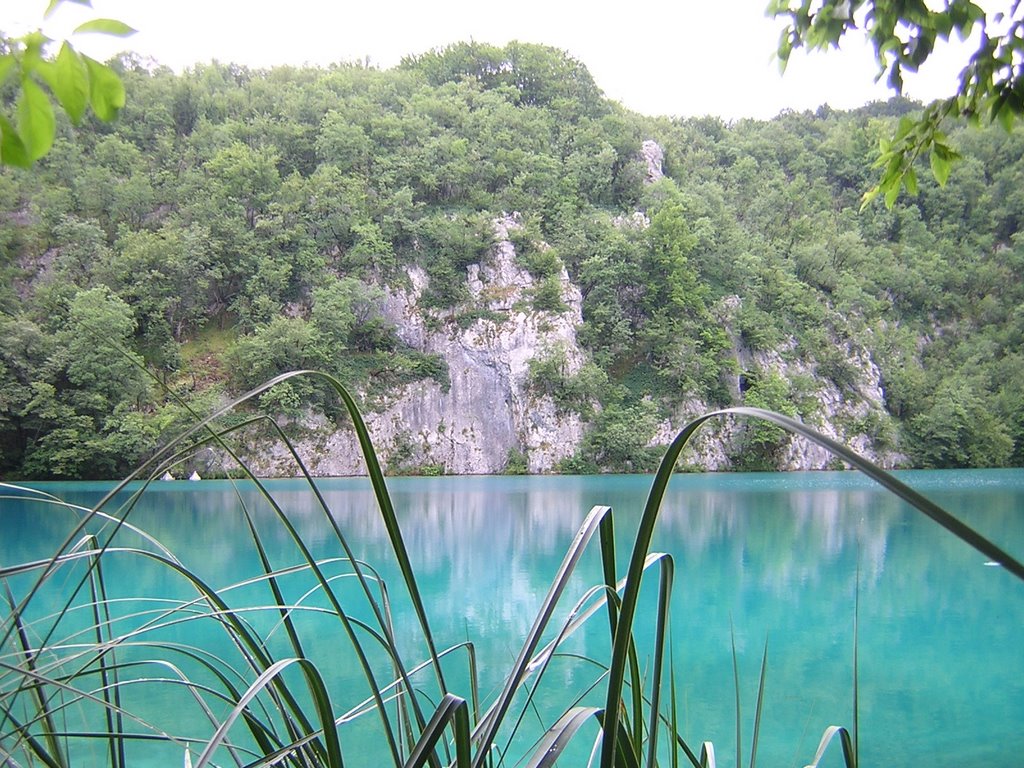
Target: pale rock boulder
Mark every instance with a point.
(653, 157)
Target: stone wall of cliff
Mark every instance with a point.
(489, 413)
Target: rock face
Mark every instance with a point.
(852, 415)
(653, 156)
(489, 413)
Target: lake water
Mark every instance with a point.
(767, 558)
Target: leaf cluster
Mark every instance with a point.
(72, 80)
(904, 35)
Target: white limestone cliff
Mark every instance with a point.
(488, 412)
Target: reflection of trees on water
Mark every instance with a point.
(509, 534)
(773, 556)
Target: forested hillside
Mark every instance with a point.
(234, 224)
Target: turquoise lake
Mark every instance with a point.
(781, 559)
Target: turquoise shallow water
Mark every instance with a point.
(776, 557)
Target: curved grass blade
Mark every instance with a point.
(736, 689)
(559, 735)
(921, 503)
(54, 752)
(108, 670)
(849, 755)
(661, 624)
(321, 701)
(244, 639)
(454, 710)
(759, 707)
(487, 728)
(76, 695)
(707, 755)
(541, 661)
(623, 633)
(384, 504)
(381, 615)
(625, 755)
(856, 670)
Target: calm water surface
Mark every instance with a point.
(776, 559)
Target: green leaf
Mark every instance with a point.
(1007, 117)
(870, 195)
(34, 43)
(106, 91)
(36, 122)
(7, 63)
(891, 193)
(941, 166)
(54, 3)
(68, 79)
(906, 127)
(12, 148)
(106, 27)
(910, 180)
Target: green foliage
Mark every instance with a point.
(571, 392)
(618, 440)
(516, 463)
(75, 82)
(546, 295)
(762, 440)
(904, 36)
(450, 243)
(346, 315)
(226, 201)
(284, 344)
(958, 428)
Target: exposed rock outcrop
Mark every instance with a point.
(853, 414)
(488, 410)
(653, 156)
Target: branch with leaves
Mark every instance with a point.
(70, 79)
(904, 34)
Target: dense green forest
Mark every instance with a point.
(234, 224)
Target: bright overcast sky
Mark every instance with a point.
(662, 57)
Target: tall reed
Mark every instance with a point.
(72, 675)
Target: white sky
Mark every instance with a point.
(662, 57)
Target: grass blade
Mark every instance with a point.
(849, 756)
(760, 705)
(641, 545)
(488, 726)
(321, 700)
(454, 710)
(736, 688)
(661, 624)
(559, 735)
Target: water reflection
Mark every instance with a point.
(782, 557)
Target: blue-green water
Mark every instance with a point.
(776, 557)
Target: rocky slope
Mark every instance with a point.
(489, 414)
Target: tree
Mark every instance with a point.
(100, 361)
(959, 429)
(904, 34)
